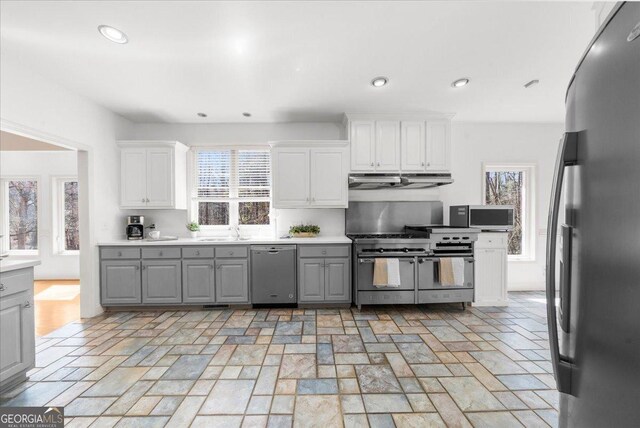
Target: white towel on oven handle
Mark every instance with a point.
(457, 263)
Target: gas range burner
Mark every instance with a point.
(357, 236)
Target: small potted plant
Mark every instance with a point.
(304, 231)
(194, 228)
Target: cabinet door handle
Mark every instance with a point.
(2, 287)
(137, 267)
(27, 304)
(119, 253)
(428, 163)
(197, 253)
(144, 267)
(371, 163)
(422, 164)
(313, 199)
(378, 163)
(148, 200)
(142, 200)
(219, 267)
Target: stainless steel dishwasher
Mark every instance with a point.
(273, 274)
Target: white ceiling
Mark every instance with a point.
(305, 61)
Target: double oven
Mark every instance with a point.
(419, 250)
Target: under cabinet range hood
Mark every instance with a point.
(400, 181)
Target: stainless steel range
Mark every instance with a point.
(405, 231)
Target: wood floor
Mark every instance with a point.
(57, 303)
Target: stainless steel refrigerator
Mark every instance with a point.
(595, 344)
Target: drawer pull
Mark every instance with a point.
(160, 254)
(27, 304)
(231, 253)
(324, 251)
(197, 253)
(137, 267)
(119, 253)
(2, 287)
(144, 267)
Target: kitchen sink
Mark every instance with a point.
(217, 239)
(222, 239)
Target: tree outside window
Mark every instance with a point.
(510, 185)
(71, 221)
(232, 187)
(23, 214)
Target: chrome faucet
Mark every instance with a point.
(236, 229)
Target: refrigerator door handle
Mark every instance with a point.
(567, 156)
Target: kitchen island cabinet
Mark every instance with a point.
(17, 328)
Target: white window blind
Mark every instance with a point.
(232, 187)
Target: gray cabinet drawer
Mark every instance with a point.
(235, 252)
(120, 253)
(197, 252)
(161, 253)
(16, 281)
(385, 297)
(324, 250)
(443, 295)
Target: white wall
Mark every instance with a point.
(41, 109)
(475, 143)
(172, 222)
(45, 166)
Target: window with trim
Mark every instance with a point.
(231, 188)
(513, 185)
(66, 220)
(20, 215)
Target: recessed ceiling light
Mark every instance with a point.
(379, 81)
(531, 83)
(113, 34)
(245, 114)
(460, 82)
(202, 114)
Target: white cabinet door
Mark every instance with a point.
(328, 178)
(387, 145)
(160, 177)
(438, 146)
(290, 177)
(363, 145)
(490, 281)
(133, 178)
(412, 148)
(17, 352)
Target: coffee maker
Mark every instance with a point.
(135, 227)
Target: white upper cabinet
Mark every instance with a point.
(399, 143)
(310, 174)
(153, 174)
(328, 177)
(438, 145)
(363, 145)
(290, 185)
(133, 177)
(387, 145)
(413, 148)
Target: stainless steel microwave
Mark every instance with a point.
(486, 217)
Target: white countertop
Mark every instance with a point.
(252, 241)
(9, 264)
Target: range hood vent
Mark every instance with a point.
(399, 181)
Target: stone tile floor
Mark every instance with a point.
(408, 366)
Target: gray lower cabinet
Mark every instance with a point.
(311, 280)
(337, 280)
(232, 281)
(161, 281)
(198, 281)
(17, 330)
(324, 279)
(120, 282)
